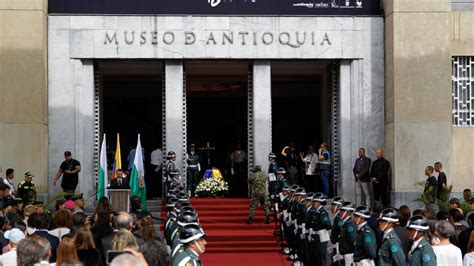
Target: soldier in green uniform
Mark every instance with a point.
(421, 252)
(272, 173)
(318, 224)
(336, 204)
(170, 167)
(171, 215)
(26, 189)
(259, 193)
(186, 217)
(348, 234)
(304, 235)
(281, 179)
(299, 214)
(193, 169)
(298, 197)
(365, 250)
(391, 251)
(286, 205)
(192, 239)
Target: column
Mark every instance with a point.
(174, 137)
(262, 108)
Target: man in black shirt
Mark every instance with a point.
(429, 193)
(69, 169)
(379, 175)
(442, 180)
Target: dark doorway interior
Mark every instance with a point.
(132, 104)
(217, 111)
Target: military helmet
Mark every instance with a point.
(285, 188)
(171, 202)
(362, 211)
(188, 209)
(418, 223)
(294, 188)
(182, 196)
(190, 233)
(320, 197)
(186, 218)
(281, 170)
(347, 206)
(174, 172)
(300, 192)
(171, 154)
(179, 205)
(389, 215)
(271, 155)
(309, 196)
(337, 200)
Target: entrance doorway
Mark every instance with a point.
(217, 116)
(300, 113)
(132, 103)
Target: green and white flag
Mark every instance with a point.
(101, 188)
(137, 178)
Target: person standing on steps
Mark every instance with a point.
(69, 169)
(259, 193)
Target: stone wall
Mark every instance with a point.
(23, 89)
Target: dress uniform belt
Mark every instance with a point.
(193, 166)
(365, 262)
(348, 258)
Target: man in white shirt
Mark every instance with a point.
(10, 174)
(157, 159)
(311, 161)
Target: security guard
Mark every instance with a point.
(26, 189)
(391, 251)
(170, 167)
(319, 224)
(365, 250)
(193, 169)
(259, 193)
(272, 176)
(421, 252)
(192, 239)
(336, 204)
(348, 234)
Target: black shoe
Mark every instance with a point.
(249, 220)
(267, 220)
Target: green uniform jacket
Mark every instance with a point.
(336, 229)
(170, 167)
(423, 254)
(26, 191)
(347, 237)
(193, 161)
(258, 185)
(318, 219)
(186, 257)
(273, 185)
(391, 251)
(366, 244)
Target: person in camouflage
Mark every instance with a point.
(259, 193)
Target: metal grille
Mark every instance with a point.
(250, 127)
(333, 76)
(185, 131)
(463, 91)
(98, 117)
(163, 123)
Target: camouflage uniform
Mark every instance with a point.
(259, 193)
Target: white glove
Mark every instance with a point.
(199, 167)
(232, 171)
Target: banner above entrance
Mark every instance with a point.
(217, 7)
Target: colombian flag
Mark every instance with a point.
(118, 158)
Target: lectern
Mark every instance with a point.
(120, 199)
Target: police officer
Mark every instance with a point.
(335, 207)
(319, 224)
(170, 167)
(348, 234)
(192, 239)
(193, 169)
(365, 250)
(258, 193)
(272, 175)
(391, 251)
(26, 189)
(186, 217)
(421, 252)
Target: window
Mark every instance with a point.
(463, 91)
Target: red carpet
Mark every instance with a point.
(230, 241)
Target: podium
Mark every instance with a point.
(119, 199)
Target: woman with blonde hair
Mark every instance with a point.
(86, 250)
(124, 239)
(66, 251)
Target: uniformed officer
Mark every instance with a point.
(365, 250)
(336, 204)
(391, 251)
(170, 167)
(176, 179)
(298, 195)
(348, 234)
(258, 194)
(192, 239)
(193, 169)
(26, 189)
(272, 176)
(298, 212)
(304, 249)
(285, 209)
(281, 179)
(421, 252)
(173, 225)
(319, 224)
(186, 217)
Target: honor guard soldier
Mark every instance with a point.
(170, 167)
(298, 195)
(272, 173)
(192, 239)
(185, 218)
(172, 226)
(193, 169)
(176, 179)
(171, 216)
(26, 189)
(335, 207)
(421, 252)
(281, 179)
(348, 234)
(365, 250)
(391, 251)
(303, 237)
(258, 193)
(286, 210)
(318, 224)
(299, 213)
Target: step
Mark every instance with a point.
(242, 250)
(236, 226)
(240, 244)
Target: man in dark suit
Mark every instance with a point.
(42, 221)
(120, 181)
(122, 221)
